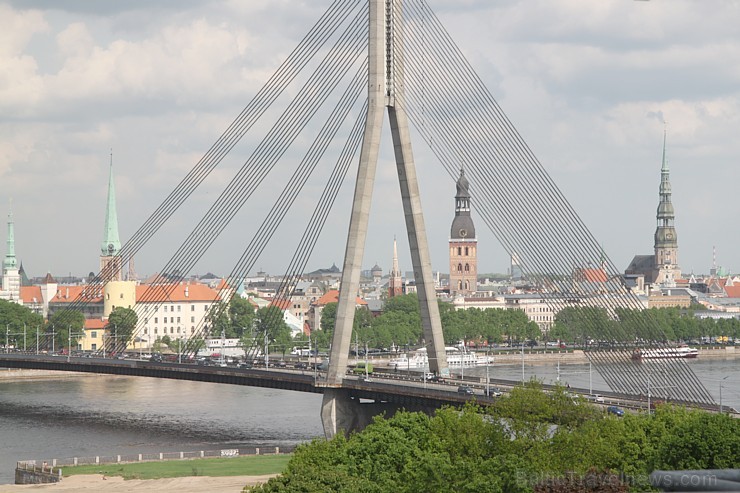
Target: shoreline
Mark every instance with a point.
(187, 484)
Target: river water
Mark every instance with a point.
(87, 416)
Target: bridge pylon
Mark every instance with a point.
(385, 90)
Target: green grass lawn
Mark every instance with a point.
(253, 465)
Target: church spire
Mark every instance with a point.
(111, 244)
(666, 239)
(10, 263)
(395, 282)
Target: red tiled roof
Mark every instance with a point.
(69, 294)
(592, 275)
(31, 294)
(94, 323)
(283, 304)
(174, 293)
(332, 296)
(732, 291)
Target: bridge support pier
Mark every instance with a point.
(341, 413)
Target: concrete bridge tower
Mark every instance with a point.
(385, 86)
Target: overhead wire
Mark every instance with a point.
(475, 115)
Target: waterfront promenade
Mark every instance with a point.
(114, 484)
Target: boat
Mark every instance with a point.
(456, 358)
(667, 352)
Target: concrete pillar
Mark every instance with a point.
(363, 196)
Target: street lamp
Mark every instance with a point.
(720, 392)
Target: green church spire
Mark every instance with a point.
(10, 263)
(111, 245)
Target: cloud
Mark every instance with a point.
(587, 84)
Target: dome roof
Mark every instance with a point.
(462, 228)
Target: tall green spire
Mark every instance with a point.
(9, 262)
(111, 245)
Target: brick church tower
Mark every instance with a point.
(463, 244)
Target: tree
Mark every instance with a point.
(269, 323)
(233, 320)
(17, 320)
(60, 324)
(121, 324)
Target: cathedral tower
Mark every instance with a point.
(110, 260)
(463, 244)
(666, 241)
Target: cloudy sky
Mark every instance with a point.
(588, 85)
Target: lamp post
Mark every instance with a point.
(7, 337)
(488, 380)
(522, 362)
(720, 393)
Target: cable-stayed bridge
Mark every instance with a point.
(326, 103)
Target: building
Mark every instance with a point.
(395, 282)
(111, 267)
(463, 244)
(661, 268)
(11, 281)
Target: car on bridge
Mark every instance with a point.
(464, 389)
(615, 411)
(493, 392)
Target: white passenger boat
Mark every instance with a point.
(667, 352)
(456, 358)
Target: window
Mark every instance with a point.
(459, 267)
(178, 320)
(466, 251)
(179, 307)
(192, 330)
(146, 331)
(192, 319)
(172, 330)
(94, 347)
(165, 320)
(467, 268)
(192, 308)
(155, 330)
(178, 330)
(94, 334)
(121, 295)
(156, 320)
(459, 250)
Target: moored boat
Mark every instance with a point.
(667, 352)
(456, 358)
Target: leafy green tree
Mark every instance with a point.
(268, 321)
(17, 320)
(60, 324)
(329, 317)
(121, 324)
(233, 320)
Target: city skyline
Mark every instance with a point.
(588, 87)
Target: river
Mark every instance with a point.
(87, 416)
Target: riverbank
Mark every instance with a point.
(15, 374)
(114, 484)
